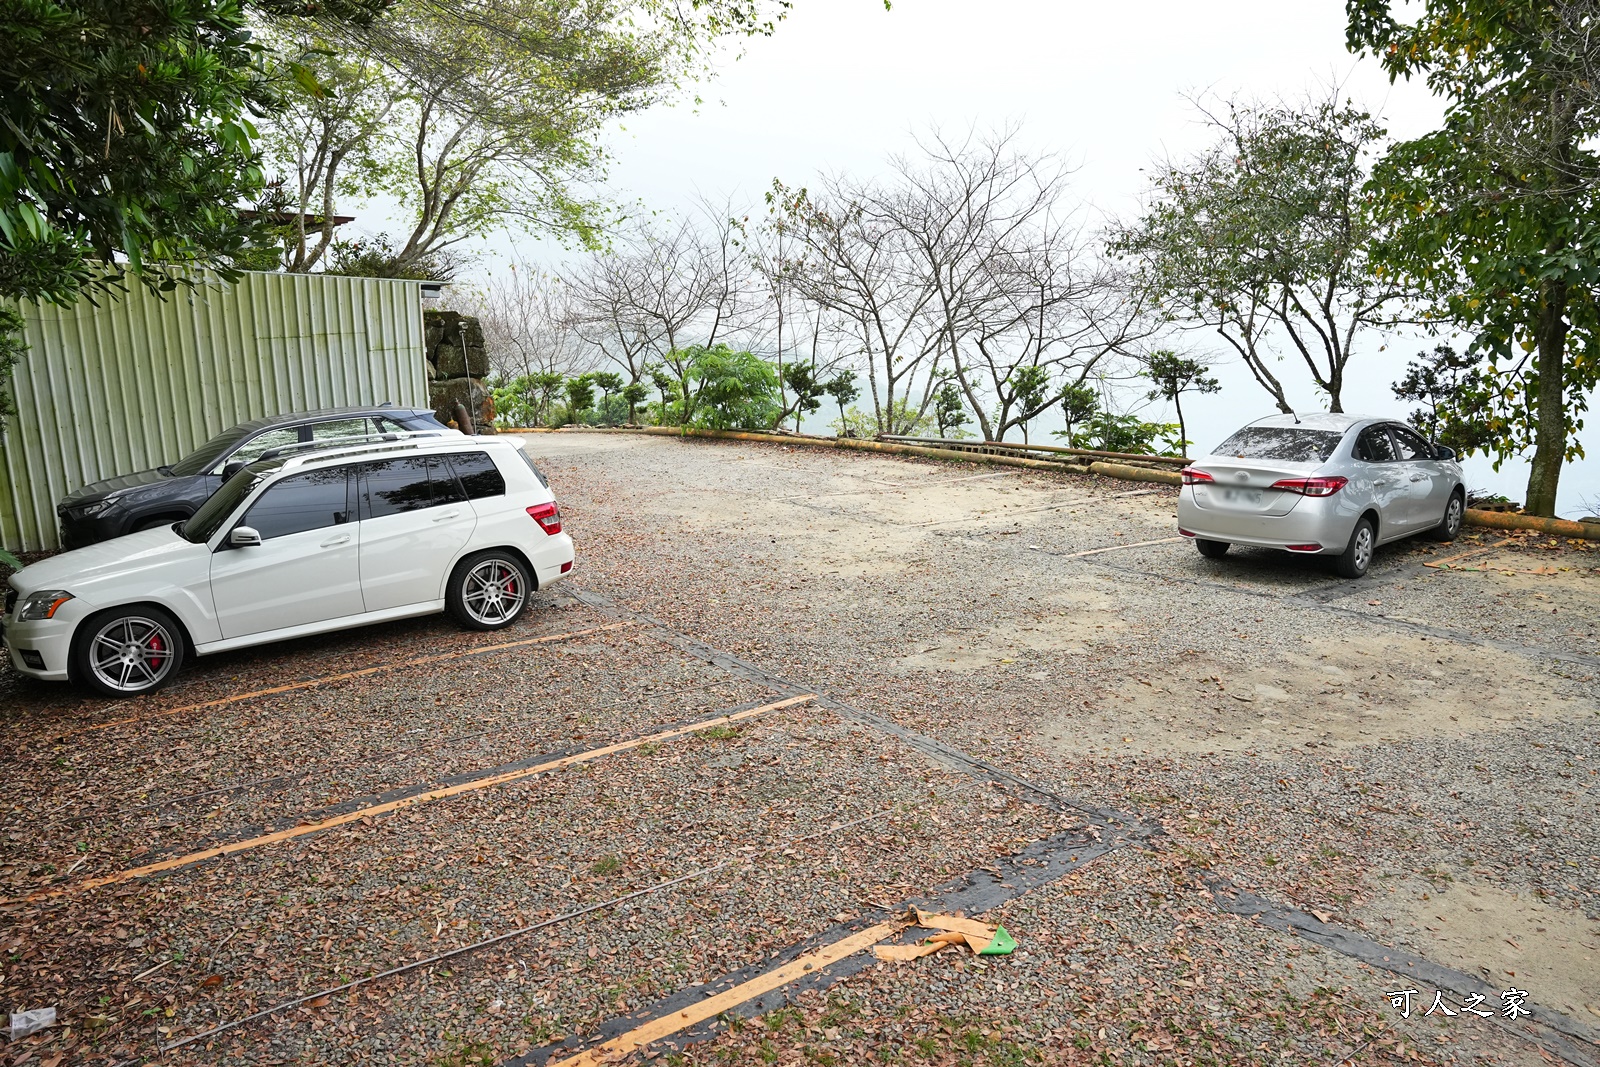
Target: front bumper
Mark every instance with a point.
(42, 649)
(1325, 521)
(79, 532)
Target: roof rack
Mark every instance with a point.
(325, 443)
(378, 444)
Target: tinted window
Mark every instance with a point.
(393, 486)
(310, 501)
(215, 511)
(205, 457)
(1412, 446)
(1375, 446)
(1290, 443)
(446, 490)
(478, 474)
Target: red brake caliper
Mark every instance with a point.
(157, 646)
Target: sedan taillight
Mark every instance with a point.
(548, 516)
(1312, 486)
(1192, 476)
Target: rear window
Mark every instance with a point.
(1291, 444)
(479, 476)
(537, 473)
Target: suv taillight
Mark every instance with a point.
(548, 516)
(1191, 476)
(1312, 486)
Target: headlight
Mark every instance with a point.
(89, 511)
(42, 604)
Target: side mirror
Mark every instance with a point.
(234, 467)
(1442, 453)
(244, 537)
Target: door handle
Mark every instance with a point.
(1383, 481)
(342, 539)
(1419, 477)
(447, 516)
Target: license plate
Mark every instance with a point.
(1242, 496)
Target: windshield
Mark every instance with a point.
(224, 502)
(205, 457)
(1289, 443)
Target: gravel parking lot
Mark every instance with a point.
(1219, 803)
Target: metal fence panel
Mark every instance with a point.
(139, 381)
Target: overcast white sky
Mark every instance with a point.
(843, 83)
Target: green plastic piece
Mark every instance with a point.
(1002, 945)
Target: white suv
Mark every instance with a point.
(296, 546)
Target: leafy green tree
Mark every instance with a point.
(580, 396)
(1443, 382)
(1264, 238)
(1079, 403)
(726, 389)
(125, 144)
(545, 384)
(664, 382)
(1494, 215)
(950, 410)
(804, 390)
(1028, 391)
(1173, 376)
(1121, 433)
(843, 389)
(635, 393)
(326, 142)
(608, 382)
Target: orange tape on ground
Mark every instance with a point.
(395, 805)
(800, 967)
(311, 683)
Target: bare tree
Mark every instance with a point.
(860, 266)
(607, 291)
(528, 326)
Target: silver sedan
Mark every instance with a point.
(1329, 485)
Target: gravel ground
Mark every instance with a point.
(1412, 756)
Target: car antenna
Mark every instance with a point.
(1295, 417)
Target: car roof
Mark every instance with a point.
(402, 446)
(294, 417)
(1321, 420)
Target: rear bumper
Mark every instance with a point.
(1325, 521)
(553, 559)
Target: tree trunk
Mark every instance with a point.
(1183, 437)
(1550, 429)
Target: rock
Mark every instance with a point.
(452, 364)
(444, 395)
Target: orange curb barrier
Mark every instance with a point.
(1508, 520)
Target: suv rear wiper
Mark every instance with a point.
(166, 469)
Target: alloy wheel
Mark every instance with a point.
(131, 654)
(492, 592)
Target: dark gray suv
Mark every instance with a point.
(121, 505)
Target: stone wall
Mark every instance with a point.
(457, 365)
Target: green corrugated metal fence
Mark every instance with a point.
(139, 381)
